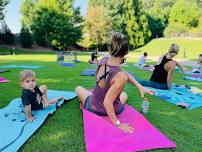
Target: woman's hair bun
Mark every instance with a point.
(119, 44)
(117, 37)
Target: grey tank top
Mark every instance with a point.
(98, 93)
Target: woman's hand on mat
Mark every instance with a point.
(30, 118)
(145, 91)
(126, 128)
(184, 70)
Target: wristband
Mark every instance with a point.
(117, 123)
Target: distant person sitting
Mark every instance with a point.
(94, 56)
(198, 68)
(162, 75)
(142, 61)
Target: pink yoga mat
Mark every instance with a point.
(102, 136)
(2, 80)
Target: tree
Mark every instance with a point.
(51, 28)
(115, 10)
(98, 26)
(185, 12)
(3, 3)
(25, 38)
(136, 23)
(54, 23)
(199, 2)
(158, 15)
(28, 12)
(6, 36)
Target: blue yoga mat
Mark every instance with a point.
(189, 72)
(91, 72)
(193, 79)
(2, 71)
(144, 68)
(67, 64)
(180, 95)
(21, 66)
(88, 72)
(14, 128)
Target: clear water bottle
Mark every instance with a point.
(145, 106)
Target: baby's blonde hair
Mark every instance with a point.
(25, 74)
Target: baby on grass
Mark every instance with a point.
(34, 97)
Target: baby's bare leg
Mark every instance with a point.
(44, 89)
(44, 97)
(56, 100)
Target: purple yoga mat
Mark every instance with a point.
(2, 80)
(197, 75)
(102, 136)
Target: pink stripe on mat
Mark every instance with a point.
(102, 136)
(2, 80)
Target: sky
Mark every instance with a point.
(13, 15)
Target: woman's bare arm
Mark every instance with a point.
(170, 67)
(141, 89)
(117, 85)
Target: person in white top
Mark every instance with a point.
(142, 61)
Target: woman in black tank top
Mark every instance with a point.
(161, 77)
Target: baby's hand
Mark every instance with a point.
(30, 119)
(46, 104)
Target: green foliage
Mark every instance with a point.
(158, 15)
(6, 37)
(115, 10)
(175, 30)
(55, 23)
(28, 11)
(156, 25)
(98, 25)
(199, 3)
(185, 12)
(136, 22)
(25, 38)
(3, 3)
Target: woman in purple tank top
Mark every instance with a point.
(107, 97)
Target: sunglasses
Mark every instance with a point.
(173, 52)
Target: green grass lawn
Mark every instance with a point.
(63, 131)
(156, 47)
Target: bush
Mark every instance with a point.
(6, 37)
(175, 30)
(25, 38)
